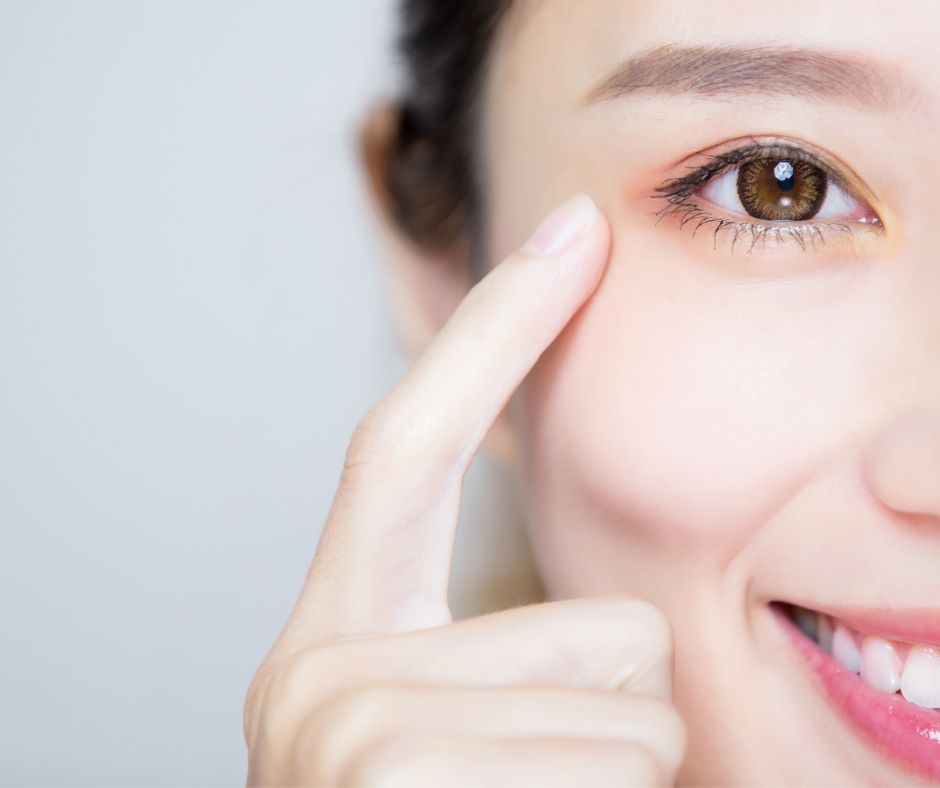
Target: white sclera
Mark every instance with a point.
(837, 205)
(723, 192)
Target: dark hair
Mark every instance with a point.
(424, 169)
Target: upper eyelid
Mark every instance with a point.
(781, 151)
(697, 176)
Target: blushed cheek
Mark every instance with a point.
(678, 416)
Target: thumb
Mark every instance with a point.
(610, 643)
(603, 643)
(606, 643)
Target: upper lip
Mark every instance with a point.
(912, 625)
(908, 733)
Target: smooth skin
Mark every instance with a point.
(370, 682)
(715, 429)
(720, 427)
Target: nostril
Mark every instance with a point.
(903, 465)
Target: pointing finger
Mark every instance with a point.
(384, 558)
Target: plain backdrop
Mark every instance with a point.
(191, 322)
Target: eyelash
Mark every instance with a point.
(678, 195)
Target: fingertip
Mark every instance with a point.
(571, 220)
(587, 206)
(580, 266)
(589, 253)
(598, 245)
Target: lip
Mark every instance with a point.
(917, 626)
(900, 729)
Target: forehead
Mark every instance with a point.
(571, 45)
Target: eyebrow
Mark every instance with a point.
(731, 71)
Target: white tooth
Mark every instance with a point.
(881, 665)
(825, 633)
(845, 650)
(920, 682)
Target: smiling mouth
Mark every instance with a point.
(887, 688)
(885, 665)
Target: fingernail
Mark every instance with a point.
(568, 222)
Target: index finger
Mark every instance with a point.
(384, 558)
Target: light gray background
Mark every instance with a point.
(191, 322)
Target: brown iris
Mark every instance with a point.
(781, 190)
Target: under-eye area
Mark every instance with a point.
(756, 192)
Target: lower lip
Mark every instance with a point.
(900, 729)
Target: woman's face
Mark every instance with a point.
(748, 411)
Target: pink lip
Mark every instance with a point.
(900, 729)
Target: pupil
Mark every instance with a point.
(783, 172)
(778, 190)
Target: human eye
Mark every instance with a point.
(768, 191)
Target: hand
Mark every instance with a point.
(370, 681)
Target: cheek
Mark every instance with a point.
(682, 411)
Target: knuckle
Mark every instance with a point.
(665, 729)
(281, 697)
(291, 692)
(648, 623)
(334, 734)
(395, 444)
(374, 439)
(641, 767)
(394, 760)
(287, 682)
(251, 712)
(356, 712)
(640, 646)
(312, 727)
(251, 706)
(666, 718)
(390, 440)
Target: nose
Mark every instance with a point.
(903, 464)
